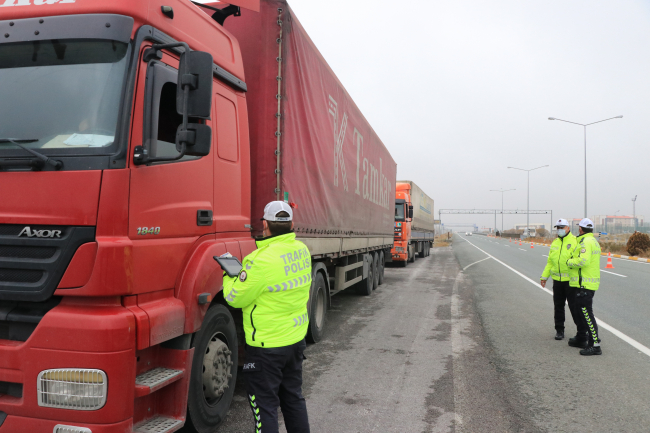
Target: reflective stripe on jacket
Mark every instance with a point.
(584, 264)
(561, 251)
(272, 290)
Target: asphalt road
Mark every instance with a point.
(564, 391)
(458, 342)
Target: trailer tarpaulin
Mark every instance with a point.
(333, 166)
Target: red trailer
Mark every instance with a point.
(122, 178)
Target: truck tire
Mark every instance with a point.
(375, 264)
(382, 266)
(317, 309)
(411, 256)
(403, 264)
(209, 398)
(364, 287)
(422, 253)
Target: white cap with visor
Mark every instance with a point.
(561, 222)
(586, 223)
(272, 209)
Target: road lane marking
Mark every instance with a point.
(619, 275)
(544, 255)
(629, 340)
(487, 258)
(522, 249)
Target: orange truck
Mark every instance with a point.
(414, 223)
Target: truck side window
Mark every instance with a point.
(161, 119)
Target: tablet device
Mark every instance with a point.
(231, 265)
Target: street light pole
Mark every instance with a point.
(584, 126)
(634, 211)
(501, 191)
(528, 195)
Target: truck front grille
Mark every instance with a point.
(18, 252)
(24, 276)
(33, 259)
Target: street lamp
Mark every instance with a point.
(584, 125)
(502, 191)
(634, 210)
(528, 195)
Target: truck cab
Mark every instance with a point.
(403, 252)
(124, 170)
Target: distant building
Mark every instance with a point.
(617, 223)
(531, 225)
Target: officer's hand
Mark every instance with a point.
(543, 283)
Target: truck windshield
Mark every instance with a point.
(399, 211)
(64, 93)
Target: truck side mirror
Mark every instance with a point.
(193, 99)
(411, 211)
(197, 137)
(195, 79)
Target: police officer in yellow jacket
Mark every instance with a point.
(556, 268)
(584, 272)
(272, 290)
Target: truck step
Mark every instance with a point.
(159, 424)
(153, 380)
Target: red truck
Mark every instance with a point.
(414, 223)
(139, 139)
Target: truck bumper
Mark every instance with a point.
(17, 424)
(77, 334)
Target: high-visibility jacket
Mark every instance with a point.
(584, 264)
(561, 251)
(272, 290)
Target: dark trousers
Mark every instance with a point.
(274, 378)
(562, 293)
(584, 304)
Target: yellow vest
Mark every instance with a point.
(272, 290)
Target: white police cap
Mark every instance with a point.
(272, 209)
(586, 223)
(561, 222)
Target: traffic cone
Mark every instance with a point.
(531, 245)
(510, 240)
(519, 242)
(609, 261)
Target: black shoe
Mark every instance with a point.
(593, 350)
(559, 335)
(574, 342)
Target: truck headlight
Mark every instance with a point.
(60, 428)
(399, 249)
(76, 389)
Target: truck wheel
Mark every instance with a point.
(422, 253)
(364, 287)
(318, 310)
(404, 263)
(411, 257)
(382, 266)
(375, 263)
(214, 371)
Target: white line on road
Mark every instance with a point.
(629, 340)
(487, 258)
(544, 255)
(619, 275)
(520, 249)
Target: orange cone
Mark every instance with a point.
(531, 245)
(510, 240)
(519, 242)
(609, 261)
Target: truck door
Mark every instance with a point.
(170, 203)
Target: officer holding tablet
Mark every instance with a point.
(272, 289)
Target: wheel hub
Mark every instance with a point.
(217, 364)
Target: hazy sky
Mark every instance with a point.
(460, 90)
